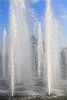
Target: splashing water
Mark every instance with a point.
(26, 70)
(52, 52)
(40, 51)
(20, 48)
(4, 53)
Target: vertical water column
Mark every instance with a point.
(13, 27)
(13, 40)
(40, 51)
(52, 50)
(20, 46)
(4, 53)
(47, 42)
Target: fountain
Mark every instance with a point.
(21, 80)
(20, 47)
(20, 50)
(40, 52)
(52, 50)
(4, 53)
